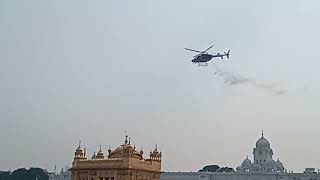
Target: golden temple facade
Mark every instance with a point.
(122, 163)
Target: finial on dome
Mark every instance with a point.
(262, 133)
(247, 157)
(79, 143)
(126, 140)
(129, 140)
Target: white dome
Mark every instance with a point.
(246, 162)
(279, 165)
(262, 142)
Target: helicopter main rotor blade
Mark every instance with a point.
(192, 50)
(207, 49)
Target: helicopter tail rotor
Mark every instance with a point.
(227, 54)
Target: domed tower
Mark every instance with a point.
(125, 150)
(80, 153)
(279, 166)
(100, 154)
(155, 155)
(262, 152)
(94, 156)
(246, 165)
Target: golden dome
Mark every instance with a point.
(125, 149)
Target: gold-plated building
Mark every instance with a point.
(122, 163)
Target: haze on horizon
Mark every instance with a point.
(90, 70)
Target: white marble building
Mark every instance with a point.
(263, 167)
(263, 161)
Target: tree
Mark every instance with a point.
(38, 174)
(210, 168)
(226, 169)
(20, 174)
(4, 175)
(31, 174)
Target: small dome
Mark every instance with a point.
(100, 153)
(279, 165)
(79, 149)
(94, 156)
(246, 162)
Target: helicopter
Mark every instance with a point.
(203, 57)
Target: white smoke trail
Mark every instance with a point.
(237, 79)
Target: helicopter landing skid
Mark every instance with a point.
(202, 64)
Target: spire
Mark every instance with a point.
(156, 149)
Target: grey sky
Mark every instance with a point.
(90, 70)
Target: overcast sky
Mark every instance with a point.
(90, 70)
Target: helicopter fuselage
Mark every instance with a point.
(202, 58)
